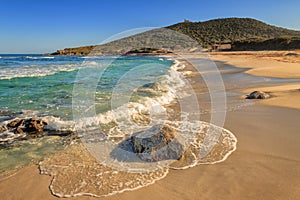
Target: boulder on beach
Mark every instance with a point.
(158, 143)
(258, 95)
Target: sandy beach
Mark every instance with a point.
(266, 164)
(278, 64)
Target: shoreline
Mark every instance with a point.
(268, 155)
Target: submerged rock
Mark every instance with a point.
(258, 95)
(157, 143)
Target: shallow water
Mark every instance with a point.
(26, 152)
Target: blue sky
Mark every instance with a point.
(39, 26)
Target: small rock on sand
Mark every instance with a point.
(258, 95)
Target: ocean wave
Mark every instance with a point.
(30, 57)
(39, 57)
(166, 89)
(48, 57)
(140, 112)
(36, 70)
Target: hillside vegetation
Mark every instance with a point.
(239, 33)
(231, 30)
(281, 43)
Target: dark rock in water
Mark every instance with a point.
(258, 95)
(29, 126)
(2, 129)
(24, 129)
(157, 143)
(34, 125)
(19, 130)
(16, 123)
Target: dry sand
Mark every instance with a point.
(282, 95)
(278, 64)
(266, 164)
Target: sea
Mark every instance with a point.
(110, 97)
(34, 85)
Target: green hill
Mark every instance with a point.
(237, 33)
(230, 30)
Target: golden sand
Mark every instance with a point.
(278, 64)
(282, 95)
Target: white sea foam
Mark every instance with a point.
(57, 124)
(48, 57)
(31, 57)
(39, 57)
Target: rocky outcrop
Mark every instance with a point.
(28, 126)
(258, 95)
(157, 143)
(22, 129)
(77, 51)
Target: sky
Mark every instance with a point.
(42, 26)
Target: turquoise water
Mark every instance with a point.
(42, 86)
(45, 84)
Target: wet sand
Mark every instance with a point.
(266, 165)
